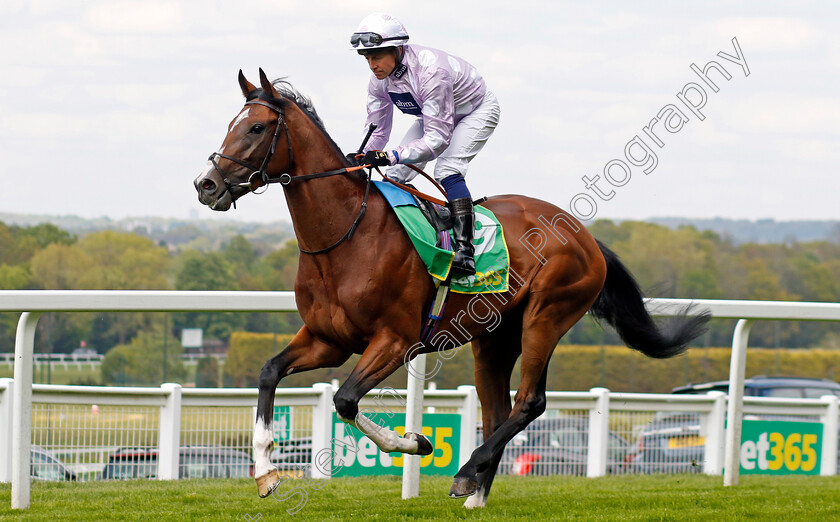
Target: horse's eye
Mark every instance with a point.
(257, 128)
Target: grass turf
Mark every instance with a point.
(658, 497)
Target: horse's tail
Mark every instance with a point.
(621, 305)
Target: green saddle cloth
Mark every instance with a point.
(491, 252)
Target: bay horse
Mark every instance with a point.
(362, 289)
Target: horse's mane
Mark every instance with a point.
(288, 91)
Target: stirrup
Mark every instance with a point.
(465, 265)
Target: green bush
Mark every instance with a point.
(140, 362)
(207, 373)
(572, 367)
(248, 353)
(618, 368)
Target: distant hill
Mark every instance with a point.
(206, 235)
(741, 231)
(209, 234)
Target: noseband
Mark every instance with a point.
(257, 173)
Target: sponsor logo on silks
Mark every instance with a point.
(405, 102)
(400, 70)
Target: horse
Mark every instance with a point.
(362, 289)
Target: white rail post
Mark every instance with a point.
(22, 414)
(830, 426)
(599, 425)
(169, 440)
(713, 428)
(322, 431)
(735, 415)
(469, 421)
(7, 429)
(414, 424)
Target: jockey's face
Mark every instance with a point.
(382, 61)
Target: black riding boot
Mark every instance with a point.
(463, 229)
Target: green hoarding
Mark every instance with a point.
(355, 454)
(781, 447)
(282, 424)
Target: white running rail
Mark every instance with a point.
(33, 303)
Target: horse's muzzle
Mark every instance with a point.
(213, 192)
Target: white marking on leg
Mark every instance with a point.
(263, 445)
(478, 500)
(385, 439)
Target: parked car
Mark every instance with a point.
(195, 462)
(215, 462)
(45, 466)
(292, 454)
(559, 446)
(548, 446)
(766, 386)
(672, 442)
(131, 463)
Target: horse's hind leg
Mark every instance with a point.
(304, 352)
(495, 356)
(546, 318)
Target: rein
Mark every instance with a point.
(286, 179)
(416, 192)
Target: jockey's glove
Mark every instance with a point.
(376, 158)
(354, 159)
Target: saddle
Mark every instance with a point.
(438, 216)
(428, 227)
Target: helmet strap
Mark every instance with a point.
(401, 68)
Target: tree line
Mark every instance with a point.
(681, 263)
(692, 264)
(45, 257)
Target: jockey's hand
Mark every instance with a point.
(376, 158)
(354, 159)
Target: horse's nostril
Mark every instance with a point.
(208, 185)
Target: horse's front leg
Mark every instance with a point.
(384, 354)
(305, 352)
(389, 440)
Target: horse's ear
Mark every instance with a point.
(246, 86)
(266, 85)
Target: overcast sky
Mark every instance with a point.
(110, 108)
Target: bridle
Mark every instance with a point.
(260, 98)
(257, 173)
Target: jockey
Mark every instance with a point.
(455, 115)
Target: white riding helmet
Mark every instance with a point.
(377, 31)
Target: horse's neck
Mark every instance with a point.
(322, 209)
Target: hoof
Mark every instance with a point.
(463, 487)
(424, 447)
(267, 483)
